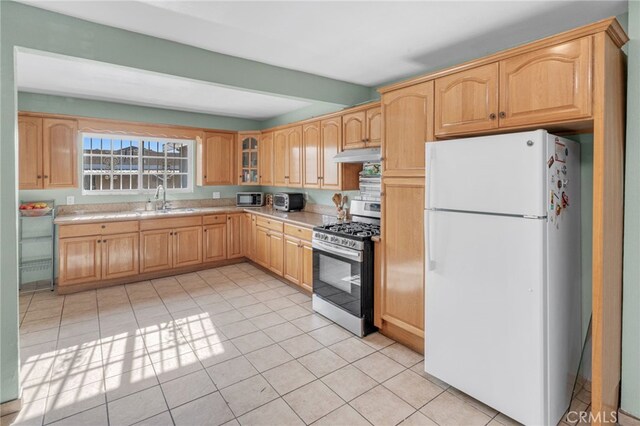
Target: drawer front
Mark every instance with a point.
(106, 228)
(214, 218)
(169, 223)
(298, 232)
(274, 225)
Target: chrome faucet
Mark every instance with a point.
(163, 206)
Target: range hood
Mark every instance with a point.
(362, 155)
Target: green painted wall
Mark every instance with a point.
(314, 196)
(117, 111)
(630, 394)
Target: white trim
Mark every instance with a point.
(192, 143)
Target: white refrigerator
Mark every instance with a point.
(503, 287)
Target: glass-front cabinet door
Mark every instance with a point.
(248, 158)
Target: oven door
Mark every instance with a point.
(337, 273)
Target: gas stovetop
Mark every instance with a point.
(356, 230)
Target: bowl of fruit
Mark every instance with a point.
(34, 209)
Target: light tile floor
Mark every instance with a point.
(231, 345)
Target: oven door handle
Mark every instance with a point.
(330, 248)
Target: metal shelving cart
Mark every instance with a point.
(36, 247)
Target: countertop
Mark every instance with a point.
(306, 219)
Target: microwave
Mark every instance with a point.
(249, 199)
(288, 201)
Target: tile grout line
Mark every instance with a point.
(146, 349)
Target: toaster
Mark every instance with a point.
(288, 201)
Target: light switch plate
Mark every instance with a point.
(216, 195)
(71, 200)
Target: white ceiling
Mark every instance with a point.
(364, 42)
(80, 78)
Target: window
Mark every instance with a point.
(128, 164)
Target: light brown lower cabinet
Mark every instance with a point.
(246, 234)
(234, 236)
(298, 262)
(120, 255)
(170, 248)
(269, 249)
(97, 257)
(402, 281)
(215, 242)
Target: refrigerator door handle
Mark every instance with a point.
(431, 149)
(431, 264)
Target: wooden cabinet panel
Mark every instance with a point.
(274, 225)
(312, 155)
(402, 289)
(298, 232)
(59, 153)
(79, 260)
(234, 236)
(265, 158)
(247, 248)
(248, 158)
(120, 255)
(106, 228)
(408, 123)
(187, 246)
(215, 242)
(30, 152)
(170, 222)
(467, 101)
(374, 126)
(218, 162)
(547, 85)
(276, 252)
(292, 260)
(156, 250)
(307, 266)
(294, 144)
(261, 253)
(214, 218)
(280, 158)
(353, 130)
(331, 171)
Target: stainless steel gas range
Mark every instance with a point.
(343, 268)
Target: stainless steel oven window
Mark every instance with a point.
(337, 273)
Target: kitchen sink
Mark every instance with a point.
(176, 211)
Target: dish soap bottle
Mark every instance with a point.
(148, 207)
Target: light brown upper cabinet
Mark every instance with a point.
(217, 159)
(312, 155)
(265, 158)
(59, 153)
(338, 176)
(287, 157)
(408, 124)
(374, 126)
(47, 153)
(353, 129)
(361, 129)
(467, 101)
(248, 154)
(30, 152)
(547, 85)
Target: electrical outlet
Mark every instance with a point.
(71, 200)
(216, 195)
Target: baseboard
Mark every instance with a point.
(626, 419)
(10, 407)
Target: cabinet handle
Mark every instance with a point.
(503, 114)
(492, 116)
(103, 226)
(46, 176)
(104, 241)
(205, 230)
(39, 177)
(205, 176)
(99, 241)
